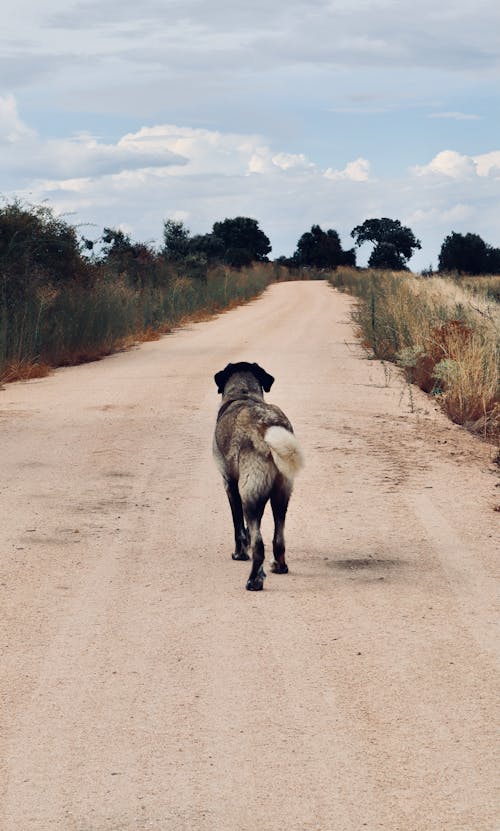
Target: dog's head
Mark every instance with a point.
(247, 373)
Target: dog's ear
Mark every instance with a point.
(265, 380)
(221, 377)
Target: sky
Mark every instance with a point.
(329, 112)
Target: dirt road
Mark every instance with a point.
(143, 688)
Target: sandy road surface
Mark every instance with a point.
(143, 688)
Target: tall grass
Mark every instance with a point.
(71, 324)
(446, 336)
(484, 285)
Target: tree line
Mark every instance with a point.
(38, 248)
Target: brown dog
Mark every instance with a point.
(258, 456)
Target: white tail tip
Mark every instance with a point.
(285, 451)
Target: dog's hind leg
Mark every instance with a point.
(255, 483)
(240, 533)
(253, 515)
(280, 496)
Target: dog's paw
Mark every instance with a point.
(240, 555)
(279, 568)
(255, 585)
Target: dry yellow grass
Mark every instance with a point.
(446, 336)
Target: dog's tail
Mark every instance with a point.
(285, 450)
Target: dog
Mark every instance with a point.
(258, 455)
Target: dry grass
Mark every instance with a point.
(24, 371)
(445, 336)
(71, 325)
(486, 285)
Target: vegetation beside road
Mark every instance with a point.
(65, 299)
(444, 334)
(60, 307)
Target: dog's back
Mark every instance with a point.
(253, 439)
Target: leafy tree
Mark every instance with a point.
(208, 245)
(385, 255)
(493, 260)
(322, 249)
(394, 243)
(176, 240)
(468, 254)
(37, 248)
(242, 240)
(137, 260)
(192, 255)
(117, 243)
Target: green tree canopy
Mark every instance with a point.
(242, 240)
(175, 240)
(208, 245)
(468, 254)
(322, 249)
(394, 243)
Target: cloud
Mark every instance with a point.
(453, 165)
(488, 164)
(12, 128)
(182, 36)
(202, 175)
(202, 151)
(454, 214)
(448, 163)
(26, 154)
(84, 156)
(356, 171)
(287, 161)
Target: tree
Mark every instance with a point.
(137, 260)
(322, 249)
(37, 248)
(468, 254)
(117, 243)
(175, 240)
(394, 243)
(242, 241)
(493, 260)
(208, 245)
(385, 255)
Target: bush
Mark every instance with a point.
(37, 249)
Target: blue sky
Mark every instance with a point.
(326, 111)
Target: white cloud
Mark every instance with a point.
(12, 128)
(453, 165)
(28, 155)
(356, 171)
(287, 161)
(488, 164)
(86, 156)
(450, 164)
(263, 161)
(200, 150)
